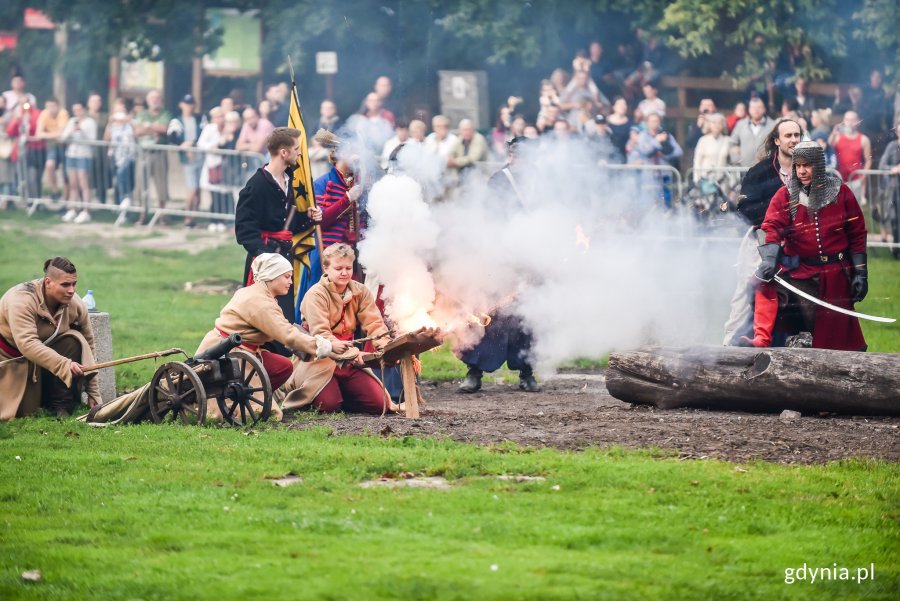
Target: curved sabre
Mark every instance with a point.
(822, 303)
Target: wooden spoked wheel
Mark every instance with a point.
(249, 399)
(176, 393)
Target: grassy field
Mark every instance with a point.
(167, 512)
(143, 290)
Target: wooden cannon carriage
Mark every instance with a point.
(235, 378)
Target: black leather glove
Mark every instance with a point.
(859, 283)
(769, 253)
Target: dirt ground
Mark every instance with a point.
(574, 411)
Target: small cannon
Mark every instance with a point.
(180, 390)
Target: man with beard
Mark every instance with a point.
(45, 340)
(505, 338)
(823, 232)
(757, 189)
(261, 219)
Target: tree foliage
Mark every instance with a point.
(747, 40)
(879, 22)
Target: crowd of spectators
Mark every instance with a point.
(88, 155)
(612, 104)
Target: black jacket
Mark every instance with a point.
(262, 206)
(758, 187)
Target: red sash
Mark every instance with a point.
(8, 348)
(280, 235)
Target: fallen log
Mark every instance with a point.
(752, 379)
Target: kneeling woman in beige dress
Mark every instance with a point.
(333, 308)
(254, 313)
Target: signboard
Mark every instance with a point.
(241, 51)
(142, 75)
(326, 63)
(35, 19)
(463, 95)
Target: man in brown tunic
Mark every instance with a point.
(45, 339)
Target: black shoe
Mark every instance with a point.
(528, 384)
(471, 384)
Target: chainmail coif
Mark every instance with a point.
(824, 187)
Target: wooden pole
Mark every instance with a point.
(113, 81)
(171, 351)
(61, 40)
(410, 392)
(197, 81)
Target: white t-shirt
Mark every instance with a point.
(87, 130)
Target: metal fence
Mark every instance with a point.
(661, 182)
(147, 183)
(142, 182)
(880, 190)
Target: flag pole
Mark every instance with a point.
(311, 195)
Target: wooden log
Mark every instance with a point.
(751, 379)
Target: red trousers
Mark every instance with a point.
(278, 367)
(351, 389)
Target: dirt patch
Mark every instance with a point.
(575, 411)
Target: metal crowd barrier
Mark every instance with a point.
(157, 179)
(880, 190)
(649, 178)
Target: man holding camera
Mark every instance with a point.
(695, 131)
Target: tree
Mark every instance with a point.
(168, 30)
(879, 22)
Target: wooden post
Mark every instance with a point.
(410, 391)
(197, 82)
(61, 40)
(113, 81)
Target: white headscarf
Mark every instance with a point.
(268, 266)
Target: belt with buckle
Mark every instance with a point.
(824, 259)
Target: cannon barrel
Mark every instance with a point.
(219, 350)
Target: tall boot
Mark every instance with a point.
(472, 383)
(764, 313)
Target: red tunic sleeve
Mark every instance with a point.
(778, 217)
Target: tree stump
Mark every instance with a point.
(752, 379)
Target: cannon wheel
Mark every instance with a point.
(247, 402)
(176, 392)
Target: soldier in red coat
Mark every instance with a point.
(816, 234)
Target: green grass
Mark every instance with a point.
(143, 290)
(884, 300)
(168, 512)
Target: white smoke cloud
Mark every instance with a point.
(646, 275)
(401, 238)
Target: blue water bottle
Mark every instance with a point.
(89, 301)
